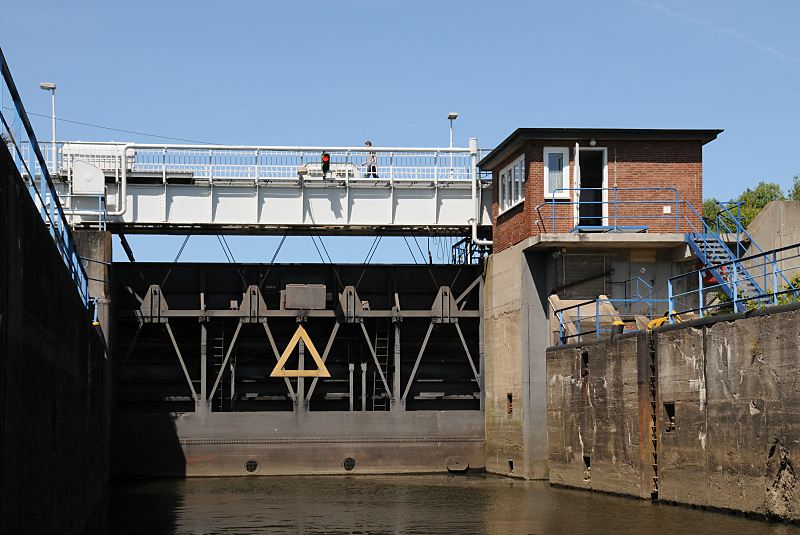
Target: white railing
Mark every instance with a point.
(255, 163)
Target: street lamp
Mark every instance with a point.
(51, 86)
(452, 116)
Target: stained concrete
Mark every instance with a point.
(517, 330)
(734, 441)
(593, 417)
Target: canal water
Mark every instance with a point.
(397, 504)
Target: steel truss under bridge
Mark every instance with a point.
(149, 188)
(205, 337)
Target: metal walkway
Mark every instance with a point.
(247, 189)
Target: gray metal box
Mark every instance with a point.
(304, 297)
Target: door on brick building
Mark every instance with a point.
(593, 208)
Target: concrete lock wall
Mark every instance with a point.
(54, 379)
(515, 324)
(728, 414)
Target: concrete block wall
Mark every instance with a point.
(727, 406)
(593, 417)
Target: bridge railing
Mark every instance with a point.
(266, 163)
(17, 133)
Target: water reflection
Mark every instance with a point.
(397, 504)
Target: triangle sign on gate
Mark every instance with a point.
(300, 334)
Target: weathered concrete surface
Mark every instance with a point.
(503, 341)
(728, 414)
(516, 328)
(753, 413)
(593, 417)
(776, 226)
(54, 379)
(221, 443)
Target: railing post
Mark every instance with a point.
(774, 278)
(615, 208)
(670, 303)
(597, 318)
(561, 327)
(735, 288)
(700, 291)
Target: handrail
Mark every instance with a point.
(59, 229)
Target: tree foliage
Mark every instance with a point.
(794, 193)
(753, 200)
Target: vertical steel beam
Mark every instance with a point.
(350, 367)
(363, 386)
(481, 349)
(416, 363)
(301, 382)
(204, 404)
(396, 405)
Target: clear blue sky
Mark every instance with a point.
(338, 72)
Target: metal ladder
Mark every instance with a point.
(652, 380)
(217, 355)
(380, 402)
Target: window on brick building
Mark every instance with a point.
(512, 185)
(556, 172)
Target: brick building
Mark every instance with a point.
(558, 180)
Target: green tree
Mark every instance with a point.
(794, 193)
(754, 200)
(711, 207)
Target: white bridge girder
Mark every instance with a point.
(155, 188)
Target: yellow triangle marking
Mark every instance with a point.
(300, 334)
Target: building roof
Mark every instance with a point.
(520, 136)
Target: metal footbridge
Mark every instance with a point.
(156, 188)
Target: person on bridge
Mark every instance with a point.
(372, 162)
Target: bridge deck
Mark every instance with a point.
(174, 188)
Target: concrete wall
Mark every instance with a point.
(593, 417)
(516, 329)
(732, 440)
(54, 379)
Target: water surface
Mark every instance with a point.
(399, 504)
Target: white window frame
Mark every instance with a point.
(564, 151)
(517, 184)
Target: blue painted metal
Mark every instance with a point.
(51, 211)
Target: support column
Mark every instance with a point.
(351, 367)
(363, 386)
(301, 382)
(95, 249)
(202, 399)
(396, 405)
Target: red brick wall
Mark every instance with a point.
(634, 164)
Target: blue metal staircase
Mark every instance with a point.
(731, 274)
(724, 264)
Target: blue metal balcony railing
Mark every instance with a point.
(39, 184)
(611, 210)
(721, 287)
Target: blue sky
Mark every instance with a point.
(336, 73)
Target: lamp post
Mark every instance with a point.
(51, 86)
(452, 116)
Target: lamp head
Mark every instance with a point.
(48, 86)
(452, 116)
